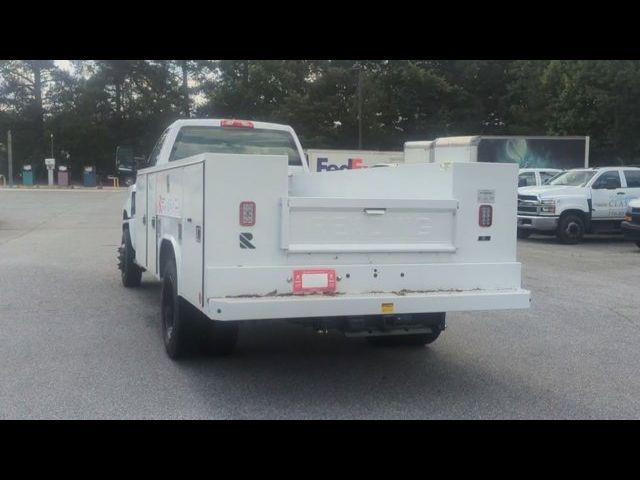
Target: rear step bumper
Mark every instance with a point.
(299, 306)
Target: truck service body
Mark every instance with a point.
(229, 217)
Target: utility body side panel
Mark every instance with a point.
(193, 234)
(142, 220)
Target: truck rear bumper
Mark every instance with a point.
(301, 306)
(540, 223)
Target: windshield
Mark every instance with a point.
(572, 178)
(194, 140)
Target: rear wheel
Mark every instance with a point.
(178, 321)
(571, 228)
(130, 272)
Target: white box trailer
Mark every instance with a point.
(564, 152)
(418, 152)
(331, 160)
(381, 253)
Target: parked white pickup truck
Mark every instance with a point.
(229, 218)
(579, 201)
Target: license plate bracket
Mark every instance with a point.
(314, 280)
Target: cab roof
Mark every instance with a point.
(217, 122)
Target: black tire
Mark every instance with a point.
(220, 338)
(571, 228)
(131, 273)
(522, 233)
(179, 323)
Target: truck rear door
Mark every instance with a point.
(141, 221)
(193, 234)
(152, 224)
(633, 184)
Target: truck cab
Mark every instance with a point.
(578, 201)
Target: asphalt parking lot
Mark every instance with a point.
(74, 343)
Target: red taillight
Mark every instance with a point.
(236, 123)
(247, 214)
(485, 216)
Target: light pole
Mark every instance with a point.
(10, 158)
(52, 146)
(359, 93)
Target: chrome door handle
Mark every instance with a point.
(375, 211)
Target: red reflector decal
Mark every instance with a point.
(314, 280)
(247, 214)
(485, 216)
(236, 123)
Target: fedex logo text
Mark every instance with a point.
(324, 165)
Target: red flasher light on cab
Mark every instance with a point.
(236, 124)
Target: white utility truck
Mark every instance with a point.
(579, 201)
(229, 218)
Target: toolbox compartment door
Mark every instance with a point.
(328, 225)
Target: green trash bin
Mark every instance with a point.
(27, 175)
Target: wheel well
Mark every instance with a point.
(580, 213)
(166, 252)
(585, 218)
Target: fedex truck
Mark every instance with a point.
(331, 160)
